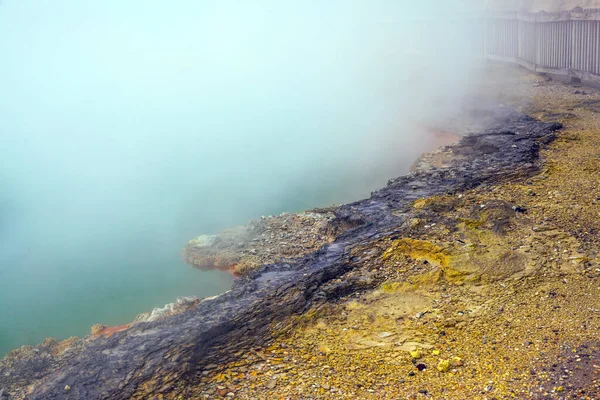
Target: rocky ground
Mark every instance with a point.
(267, 240)
(494, 294)
(476, 276)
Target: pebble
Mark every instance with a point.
(271, 384)
(416, 354)
(519, 209)
(443, 365)
(456, 362)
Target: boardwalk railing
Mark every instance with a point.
(565, 43)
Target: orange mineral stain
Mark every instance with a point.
(109, 330)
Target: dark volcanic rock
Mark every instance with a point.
(4, 395)
(149, 358)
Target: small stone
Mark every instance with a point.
(67, 388)
(423, 391)
(443, 365)
(416, 354)
(411, 373)
(519, 209)
(271, 384)
(414, 222)
(230, 394)
(326, 386)
(97, 329)
(456, 362)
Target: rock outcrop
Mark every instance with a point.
(264, 241)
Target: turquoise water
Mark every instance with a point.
(128, 128)
(50, 287)
(43, 298)
(57, 280)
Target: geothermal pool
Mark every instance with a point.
(128, 128)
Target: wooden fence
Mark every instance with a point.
(565, 43)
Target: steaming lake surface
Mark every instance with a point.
(129, 127)
(49, 290)
(50, 298)
(59, 279)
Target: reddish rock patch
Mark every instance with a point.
(109, 330)
(441, 138)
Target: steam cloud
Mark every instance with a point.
(129, 127)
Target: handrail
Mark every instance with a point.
(562, 43)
